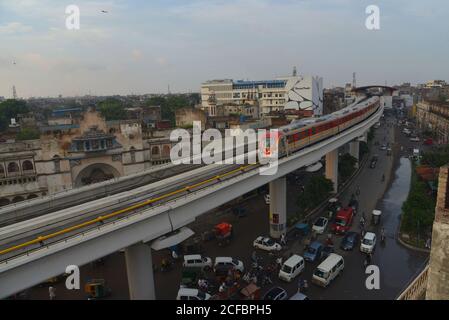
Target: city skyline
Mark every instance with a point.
(139, 47)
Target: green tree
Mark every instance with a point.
(10, 109)
(364, 149)
(28, 134)
(346, 166)
(437, 158)
(112, 109)
(371, 134)
(419, 208)
(316, 191)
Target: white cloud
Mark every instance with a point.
(162, 61)
(136, 54)
(14, 28)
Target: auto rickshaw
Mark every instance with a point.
(96, 289)
(376, 216)
(223, 233)
(302, 229)
(190, 276)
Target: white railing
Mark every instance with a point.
(416, 290)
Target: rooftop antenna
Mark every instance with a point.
(14, 92)
(295, 73)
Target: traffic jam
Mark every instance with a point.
(318, 245)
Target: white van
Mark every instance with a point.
(192, 294)
(228, 261)
(368, 242)
(291, 268)
(328, 270)
(198, 261)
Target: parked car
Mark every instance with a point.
(192, 294)
(313, 251)
(299, 296)
(190, 276)
(428, 141)
(291, 268)
(349, 241)
(383, 147)
(414, 139)
(276, 293)
(368, 242)
(197, 260)
(320, 225)
(228, 261)
(267, 244)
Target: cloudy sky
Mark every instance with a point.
(142, 46)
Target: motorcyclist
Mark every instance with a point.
(362, 221)
(165, 264)
(382, 234)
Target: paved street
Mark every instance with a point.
(350, 285)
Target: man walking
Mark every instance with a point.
(52, 293)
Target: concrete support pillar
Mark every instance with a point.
(278, 207)
(139, 268)
(332, 168)
(354, 150)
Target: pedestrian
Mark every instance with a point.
(299, 285)
(52, 292)
(362, 232)
(305, 285)
(279, 262)
(365, 262)
(306, 244)
(283, 240)
(428, 243)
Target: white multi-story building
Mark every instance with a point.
(296, 92)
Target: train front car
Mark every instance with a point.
(269, 144)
